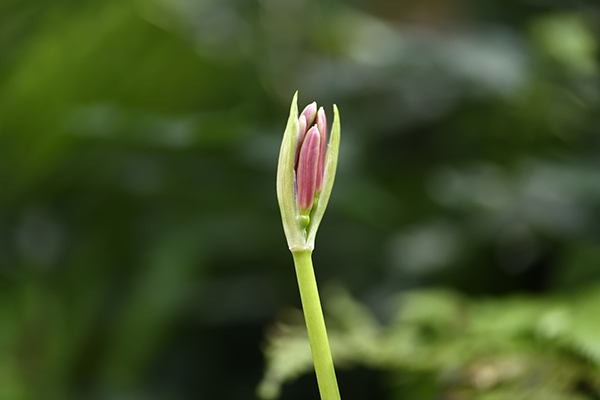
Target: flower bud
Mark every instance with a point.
(305, 173)
(322, 126)
(301, 133)
(307, 170)
(309, 113)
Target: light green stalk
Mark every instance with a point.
(300, 230)
(315, 325)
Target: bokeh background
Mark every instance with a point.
(141, 249)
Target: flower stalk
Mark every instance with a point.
(305, 175)
(315, 326)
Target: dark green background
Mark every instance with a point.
(141, 250)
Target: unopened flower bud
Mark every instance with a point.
(322, 126)
(301, 134)
(307, 170)
(305, 173)
(309, 113)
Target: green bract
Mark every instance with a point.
(300, 230)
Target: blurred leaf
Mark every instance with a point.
(569, 40)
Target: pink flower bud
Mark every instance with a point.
(307, 170)
(322, 126)
(309, 113)
(301, 134)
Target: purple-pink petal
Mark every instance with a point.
(309, 113)
(308, 169)
(301, 134)
(322, 126)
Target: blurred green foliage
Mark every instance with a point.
(441, 345)
(141, 249)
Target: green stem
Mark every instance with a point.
(315, 325)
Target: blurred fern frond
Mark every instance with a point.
(442, 345)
